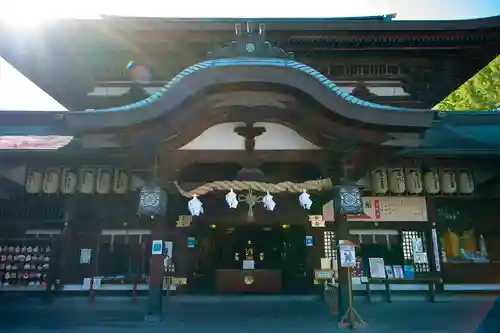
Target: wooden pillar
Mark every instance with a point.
(314, 255)
(63, 249)
(152, 209)
(341, 233)
(156, 271)
(339, 171)
(182, 258)
(435, 267)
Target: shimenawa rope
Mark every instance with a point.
(227, 185)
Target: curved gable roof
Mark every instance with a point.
(206, 74)
(456, 126)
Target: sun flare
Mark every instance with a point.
(30, 14)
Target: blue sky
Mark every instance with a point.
(406, 9)
(18, 93)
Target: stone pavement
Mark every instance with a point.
(242, 315)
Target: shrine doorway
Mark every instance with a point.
(252, 259)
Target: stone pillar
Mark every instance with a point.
(156, 271)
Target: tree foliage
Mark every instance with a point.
(481, 92)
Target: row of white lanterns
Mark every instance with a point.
(416, 181)
(86, 180)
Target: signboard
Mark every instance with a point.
(184, 221)
(168, 249)
(157, 247)
(326, 263)
(309, 241)
(191, 241)
(97, 283)
(86, 283)
(248, 264)
(385, 209)
(435, 249)
(323, 274)
(347, 255)
(317, 221)
(377, 268)
(420, 258)
(417, 244)
(85, 256)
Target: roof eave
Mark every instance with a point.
(278, 24)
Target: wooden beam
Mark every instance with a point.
(181, 127)
(173, 162)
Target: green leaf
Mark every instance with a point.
(481, 92)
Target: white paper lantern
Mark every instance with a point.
(379, 182)
(232, 199)
(120, 181)
(448, 181)
(69, 181)
(305, 200)
(396, 180)
(465, 182)
(413, 178)
(34, 181)
(104, 179)
(195, 206)
(86, 181)
(431, 181)
(268, 202)
(51, 181)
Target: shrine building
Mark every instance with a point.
(203, 156)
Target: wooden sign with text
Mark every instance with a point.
(184, 221)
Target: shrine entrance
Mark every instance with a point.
(252, 259)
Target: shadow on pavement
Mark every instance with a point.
(240, 314)
(491, 322)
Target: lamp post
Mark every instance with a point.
(347, 200)
(153, 204)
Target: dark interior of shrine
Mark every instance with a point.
(277, 253)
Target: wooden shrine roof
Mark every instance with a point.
(370, 23)
(66, 58)
(263, 66)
